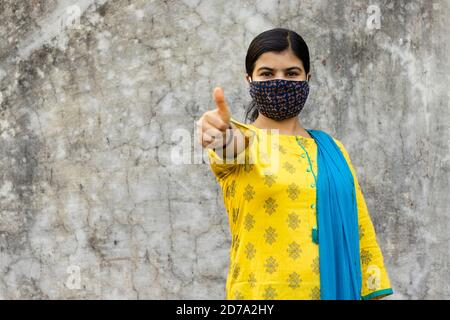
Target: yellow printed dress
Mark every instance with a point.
(269, 193)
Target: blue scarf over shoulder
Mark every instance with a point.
(337, 222)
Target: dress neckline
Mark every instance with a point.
(269, 131)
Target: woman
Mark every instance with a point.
(298, 219)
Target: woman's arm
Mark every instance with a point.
(375, 279)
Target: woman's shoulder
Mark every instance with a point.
(335, 139)
(341, 146)
(249, 130)
(242, 125)
(322, 132)
(338, 141)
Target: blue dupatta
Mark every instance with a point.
(337, 222)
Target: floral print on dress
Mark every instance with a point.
(294, 250)
(236, 271)
(289, 167)
(249, 193)
(294, 280)
(366, 257)
(315, 266)
(235, 242)
(270, 205)
(238, 295)
(270, 235)
(315, 293)
(231, 189)
(361, 232)
(250, 251)
(293, 191)
(269, 179)
(270, 293)
(235, 214)
(293, 221)
(251, 279)
(271, 264)
(249, 221)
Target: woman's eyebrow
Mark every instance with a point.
(271, 69)
(293, 68)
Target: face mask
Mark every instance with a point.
(279, 99)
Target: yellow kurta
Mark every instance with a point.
(269, 193)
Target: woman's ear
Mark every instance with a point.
(308, 77)
(248, 78)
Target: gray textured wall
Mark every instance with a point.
(91, 205)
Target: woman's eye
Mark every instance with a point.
(264, 74)
(293, 74)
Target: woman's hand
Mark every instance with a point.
(216, 131)
(213, 124)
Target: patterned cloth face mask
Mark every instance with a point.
(279, 99)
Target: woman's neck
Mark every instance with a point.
(291, 126)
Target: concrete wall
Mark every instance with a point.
(91, 92)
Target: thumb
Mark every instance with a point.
(222, 106)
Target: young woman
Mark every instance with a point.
(298, 219)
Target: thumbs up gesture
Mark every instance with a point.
(213, 124)
(222, 106)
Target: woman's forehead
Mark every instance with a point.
(278, 60)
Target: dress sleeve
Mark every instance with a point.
(375, 279)
(222, 167)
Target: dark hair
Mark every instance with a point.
(278, 39)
